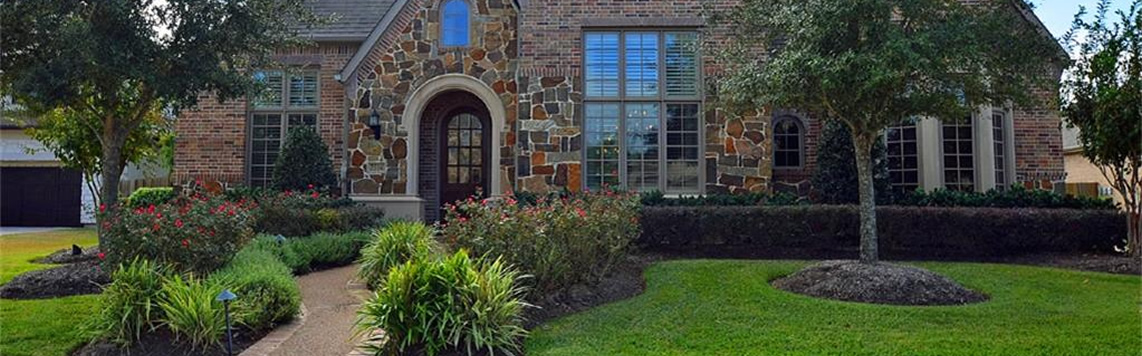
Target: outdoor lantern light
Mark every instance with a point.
(375, 124)
(280, 239)
(225, 297)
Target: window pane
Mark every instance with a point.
(454, 24)
(787, 143)
(602, 64)
(681, 64)
(642, 64)
(959, 165)
(265, 143)
(682, 155)
(641, 146)
(602, 127)
(303, 90)
(903, 160)
(999, 135)
(271, 95)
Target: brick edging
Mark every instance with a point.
(271, 342)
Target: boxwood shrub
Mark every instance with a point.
(827, 231)
(147, 196)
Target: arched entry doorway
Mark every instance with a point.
(455, 150)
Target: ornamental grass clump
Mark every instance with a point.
(128, 307)
(395, 245)
(454, 304)
(191, 312)
(561, 241)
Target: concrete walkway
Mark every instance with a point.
(331, 299)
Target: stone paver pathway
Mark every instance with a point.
(331, 299)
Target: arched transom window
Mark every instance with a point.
(788, 138)
(454, 24)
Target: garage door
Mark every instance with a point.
(39, 196)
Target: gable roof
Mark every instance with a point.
(353, 20)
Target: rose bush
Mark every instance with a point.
(195, 232)
(560, 240)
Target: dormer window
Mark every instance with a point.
(454, 24)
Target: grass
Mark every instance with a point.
(43, 326)
(18, 250)
(728, 308)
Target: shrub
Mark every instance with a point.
(1016, 196)
(304, 162)
(656, 198)
(191, 311)
(268, 294)
(455, 303)
(144, 197)
(128, 305)
(393, 246)
(561, 242)
(835, 180)
(194, 232)
(305, 254)
(826, 231)
(306, 212)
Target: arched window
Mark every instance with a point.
(788, 138)
(454, 24)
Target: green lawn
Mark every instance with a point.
(728, 308)
(47, 326)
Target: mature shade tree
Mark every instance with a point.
(114, 61)
(1102, 97)
(872, 64)
(835, 180)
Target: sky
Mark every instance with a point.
(1058, 14)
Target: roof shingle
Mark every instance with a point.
(352, 19)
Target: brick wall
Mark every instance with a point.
(212, 136)
(1039, 139)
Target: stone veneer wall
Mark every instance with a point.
(550, 139)
(407, 58)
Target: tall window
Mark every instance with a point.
(641, 110)
(999, 136)
(275, 111)
(788, 137)
(903, 158)
(959, 158)
(454, 25)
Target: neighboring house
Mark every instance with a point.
(426, 101)
(34, 189)
(1083, 177)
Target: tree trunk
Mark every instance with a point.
(868, 241)
(1134, 234)
(114, 137)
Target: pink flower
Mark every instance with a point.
(101, 256)
(178, 223)
(581, 212)
(102, 207)
(315, 195)
(151, 209)
(155, 228)
(185, 243)
(310, 186)
(463, 219)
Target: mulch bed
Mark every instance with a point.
(625, 281)
(161, 343)
(878, 283)
(65, 256)
(79, 278)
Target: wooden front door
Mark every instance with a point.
(465, 154)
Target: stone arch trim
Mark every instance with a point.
(417, 104)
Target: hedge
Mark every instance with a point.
(825, 231)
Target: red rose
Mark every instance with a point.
(102, 207)
(101, 256)
(315, 195)
(178, 223)
(185, 243)
(310, 186)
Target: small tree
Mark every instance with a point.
(835, 181)
(111, 63)
(304, 162)
(870, 64)
(1102, 97)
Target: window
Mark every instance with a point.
(959, 158)
(903, 158)
(642, 105)
(999, 136)
(454, 24)
(273, 116)
(787, 139)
